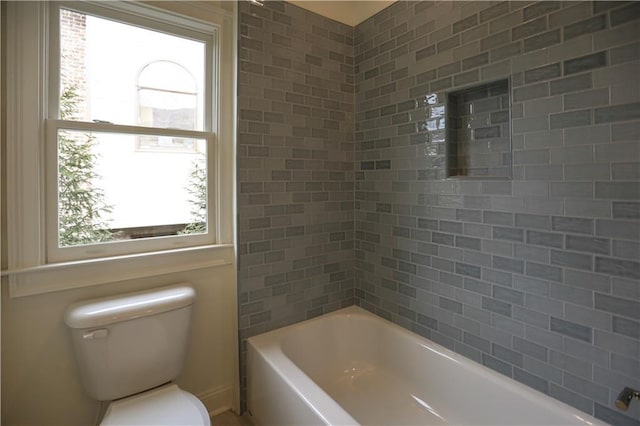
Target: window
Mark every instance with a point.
(118, 92)
(132, 149)
(167, 97)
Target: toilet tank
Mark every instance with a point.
(130, 343)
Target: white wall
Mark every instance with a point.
(40, 384)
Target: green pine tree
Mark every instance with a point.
(81, 205)
(197, 189)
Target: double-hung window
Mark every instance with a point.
(132, 103)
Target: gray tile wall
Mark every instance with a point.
(537, 277)
(295, 166)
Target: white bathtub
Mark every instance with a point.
(351, 367)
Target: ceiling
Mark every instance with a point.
(350, 12)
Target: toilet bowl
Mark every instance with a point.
(166, 405)
(129, 349)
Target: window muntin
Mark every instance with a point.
(150, 133)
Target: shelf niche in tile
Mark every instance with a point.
(478, 137)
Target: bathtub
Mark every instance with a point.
(351, 367)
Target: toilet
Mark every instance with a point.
(129, 348)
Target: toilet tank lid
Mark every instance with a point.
(114, 309)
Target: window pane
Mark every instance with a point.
(109, 190)
(121, 73)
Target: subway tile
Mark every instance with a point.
(465, 24)
(570, 119)
(497, 365)
(615, 152)
(617, 113)
(529, 252)
(626, 249)
(542, 73)
(585, 63)
(587, 387)
(546, 272)
(496, 306)
(542, 107)
(617, 306)
(618, 267)
(625, 171)
(546, 239)
(541, 41)
(587, 135)
(507, 354)
(508, 295)
(586, 26)
(546, 338)
(524, 220)
(571, 329)
(618, 229)
(572, 189)
(574, 12)
(532, 124)
(540, 8)
(543, 172)
(588, 244)
(570, 398)
(529, 28)
(618, 190)
(626, 327)
(572, 224)
(587, 280)
(570, 84)
(625, 14)
(495, 40)
(508, 264)
(570, 364)
(531, 380)
(586, 99)
(505, 233)
(532, 156)
(468, 270)
(626, 53)
(494, 11)
(578, 46)
(625, 131)
(578, 164)
(571, 260)
(534, 91)
(626, 210)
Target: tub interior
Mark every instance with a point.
(346, 358)
(374, 373)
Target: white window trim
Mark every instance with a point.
(27, 53)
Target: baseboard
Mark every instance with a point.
(218, 400)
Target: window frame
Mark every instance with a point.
(31, 268)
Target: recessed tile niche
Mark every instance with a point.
(478, 132)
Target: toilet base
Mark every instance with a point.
(166, 405)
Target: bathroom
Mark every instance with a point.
(344, 196)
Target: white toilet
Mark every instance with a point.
(129, 348)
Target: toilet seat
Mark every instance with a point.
(166, 405)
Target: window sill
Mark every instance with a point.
(69, 275)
